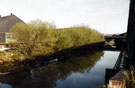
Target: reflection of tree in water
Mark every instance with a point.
(77, 64)
(47, 76)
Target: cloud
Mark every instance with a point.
(99, 14)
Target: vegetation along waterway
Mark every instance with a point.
(46, 57)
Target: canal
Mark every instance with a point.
(77, 72)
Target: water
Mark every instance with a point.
(75, 72)
(93, 78)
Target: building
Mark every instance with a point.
(6, 23)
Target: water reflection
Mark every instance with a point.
(3, 85)
(93, 78)
(50, 76)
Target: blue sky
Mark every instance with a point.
(106, 16)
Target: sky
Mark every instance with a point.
(106, 16)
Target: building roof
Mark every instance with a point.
(7, 22)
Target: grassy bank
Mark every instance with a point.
(78, 55)
(42, 38)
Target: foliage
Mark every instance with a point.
(30, 36)
(5, 56)
(42, 38)
(131, 79)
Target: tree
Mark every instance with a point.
(42, 38)
(30, 36)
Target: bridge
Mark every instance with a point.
(115, 37)
(126, 59)
(116, 40)
(122, 37)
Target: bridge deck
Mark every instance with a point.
(115, 37)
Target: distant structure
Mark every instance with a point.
(6, 23)
(117, 40)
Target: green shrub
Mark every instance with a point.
(42, 38)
